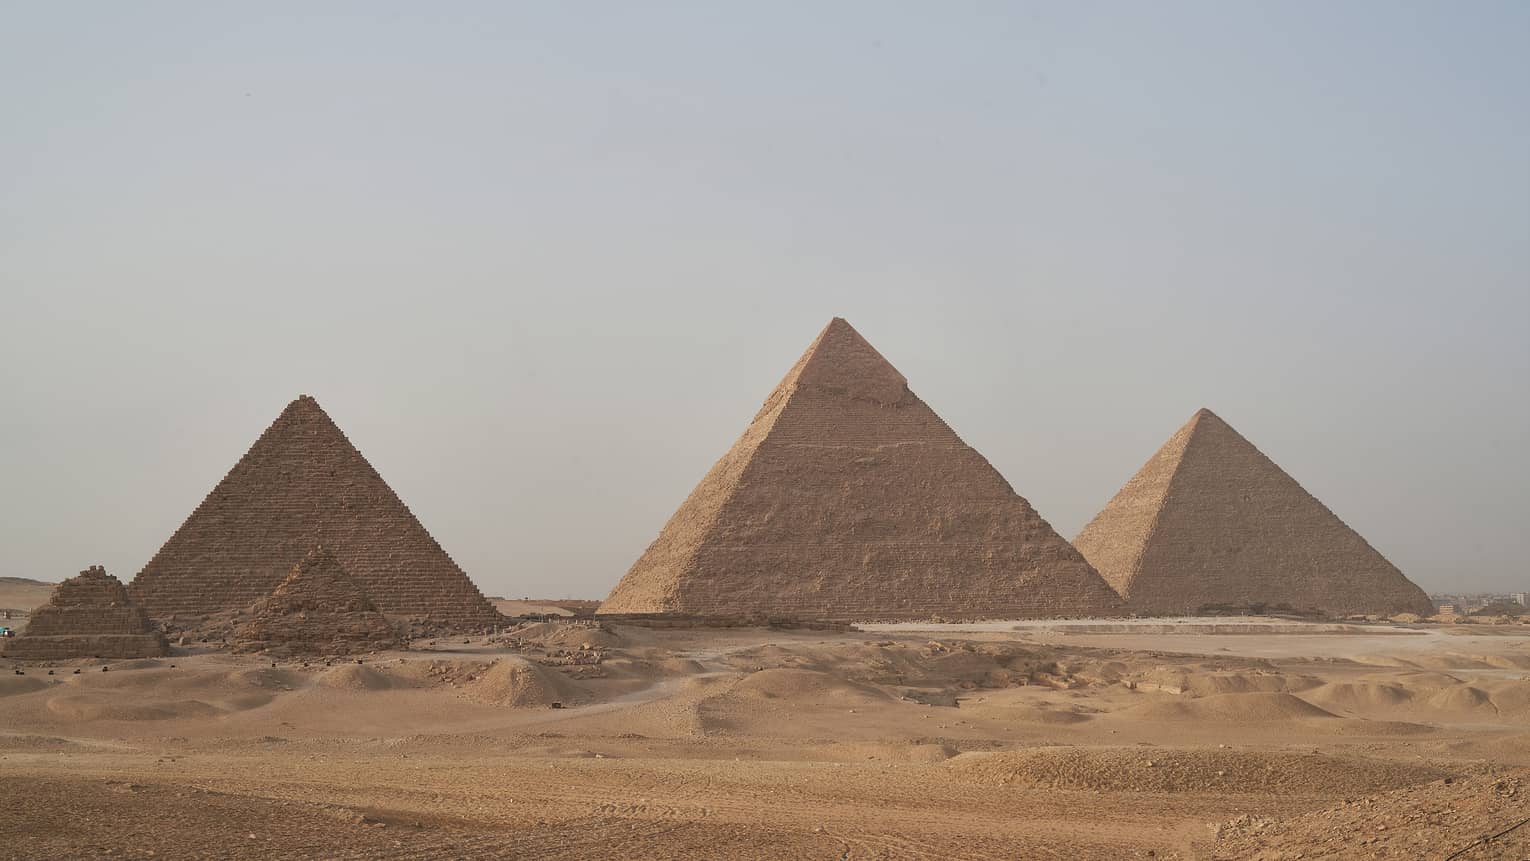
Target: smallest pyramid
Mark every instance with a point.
(1210, 522)
(89, 616)
(317, 609)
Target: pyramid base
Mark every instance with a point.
(60, 647)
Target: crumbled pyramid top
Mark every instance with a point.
(92, 588)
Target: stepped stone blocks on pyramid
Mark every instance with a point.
(318, 609)
(303, 484)
(848, 498)
(1210, 522)
(88, 616)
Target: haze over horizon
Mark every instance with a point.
(542, 265)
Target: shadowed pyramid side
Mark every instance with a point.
(1116, 537)
(300, 485)
(849, 498)
(1211, 521)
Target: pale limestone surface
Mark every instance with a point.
(848, 498)
(1210, 521)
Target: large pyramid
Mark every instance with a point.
(848, 498)
(300, 485)
(1210, 521)
(318, 609)
(88, 616)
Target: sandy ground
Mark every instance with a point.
(527, 608)
(1006, 741)
(19, 593)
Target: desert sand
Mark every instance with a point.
(21, 594)
(1187, 739)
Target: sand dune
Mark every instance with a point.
(95, 707)
(1362, 696)
(1235, 708)
(809, 686)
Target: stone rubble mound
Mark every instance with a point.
(319, 610)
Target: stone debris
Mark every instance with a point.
(848, 498)
(89, 616)
(1478, 817)
(1210, 523)
(318, 609)
(300, 485)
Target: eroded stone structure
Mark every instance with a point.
(318, 609)
(89, 616)
(849, 498)
(303, 484)
(1210, 522)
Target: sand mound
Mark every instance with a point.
(1258, 707)
(265, 678)
(913, 751)
(1208, 684)
(355, 677)
(139, 664)
(39, 744)
(1461, 699)
(1512, 698)
(1362, 696)
(805, 684)
(1195, 771)
(1050, 716)
(519, 683)
(1427, 821)
(567, 635)
(20, 685)
(1376, 728)
(91, 708)
(1504, 662)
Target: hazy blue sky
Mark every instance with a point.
(543, 262)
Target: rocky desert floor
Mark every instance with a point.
(1186, 739)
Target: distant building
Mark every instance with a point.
(1447, 610)
(1521, 598)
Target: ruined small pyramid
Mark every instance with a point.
(88, 616)
(303, 484)
(1210, 522)
(318, 609)
(848, 498)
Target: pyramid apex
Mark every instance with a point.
(842, 361)
(1205, 416)
(305, 406)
